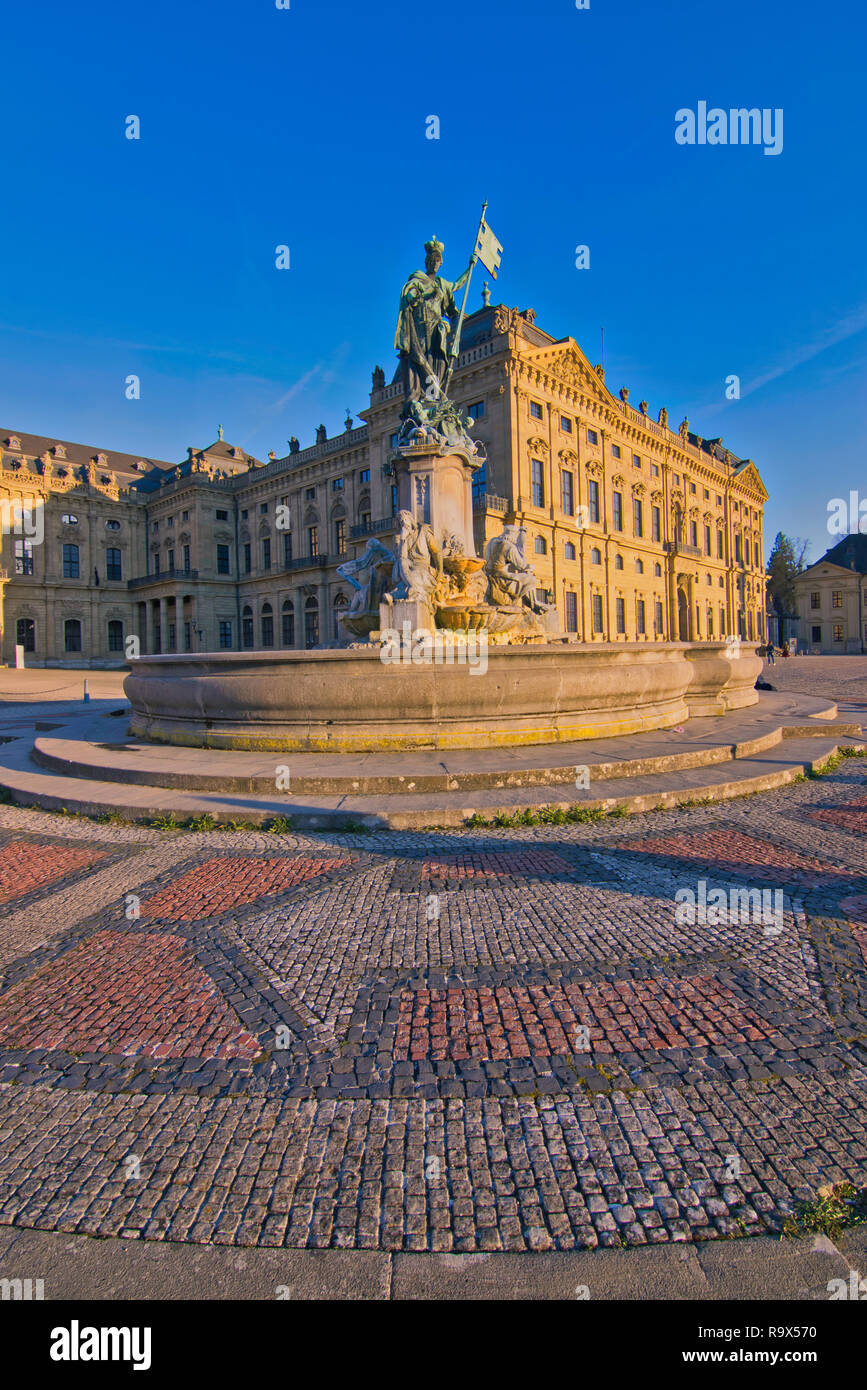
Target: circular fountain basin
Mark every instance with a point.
(350, 701)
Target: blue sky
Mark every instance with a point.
(306, 127)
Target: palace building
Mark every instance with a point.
(637, 532)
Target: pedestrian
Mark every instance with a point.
(769, 653)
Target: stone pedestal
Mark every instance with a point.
(395, 615)
(437, 490)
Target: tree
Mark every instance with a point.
(788, 559)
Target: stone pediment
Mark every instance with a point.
(749, 474)
(567, 363)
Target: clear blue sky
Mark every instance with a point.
(306, 127)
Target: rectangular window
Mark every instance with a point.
(244, 514)
(188, 636)
(364, 476)
(266, 553)
(593, 499)
(815, 600)
(817, 635)
(535, 410)
(185, 516)
(571, 611)
(336, 484)
(707, 540)
(225, 634)
(615, 451)
(23, 557)
(620, 615)
(637, 517)
(115, 635)
(617, 511)
(263, 508)
(171, 560)
(565, 424)
(186, 559)
(287, 547)
(567, 490)
(640, 620)
(659, 620)
(309, 494)
(222, 559)
(156, 568)
(538, 488)
(837, 598)
(693, 533)
(70, 562)
(340, 537)
(313, 541)
(720, 545)
(597, 612)
(288, 626)
(737, 548)
(112, 563)
(172, 631)
(248, 557)
(838, 632)
(758, 561)
(365, 520)
(222, 516)
(656, 523)
(636, 460)
(592, 437)
(394, 499)
(476, 410)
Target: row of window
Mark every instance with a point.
(313, 552)
(25, 634)
(836, 599)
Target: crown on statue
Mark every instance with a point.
(434, 247)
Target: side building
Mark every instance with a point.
(637, 532)
(831, 597)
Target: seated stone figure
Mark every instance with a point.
(377, 561)
(419, 565)
(511, 578)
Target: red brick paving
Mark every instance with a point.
(124, 993)
(219, 884)
(730, 849)
(25, 866)
(492, 864)
(848, 815)
(542, 1020)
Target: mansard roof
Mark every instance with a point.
(849, 554)
(128, 467)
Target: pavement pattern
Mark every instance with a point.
(466, 1041)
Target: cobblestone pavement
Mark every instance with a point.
(650, 1029)
(840, 678)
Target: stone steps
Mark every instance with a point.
(655, 775)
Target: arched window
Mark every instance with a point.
(115, 635)
(639, 567)
(25, 634)
(618, 562)
(341, 603)
(288, 623)
(311, 623)
(657, 570)
(540, 545)
(72, 635)
(595, 556)
(267, 625)
(570, 552)
(247, 627)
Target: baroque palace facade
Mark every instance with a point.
(636, 531)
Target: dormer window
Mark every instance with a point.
(112, 525)
(102, 460)
(69, 519)
(59, 451)
(13, 442)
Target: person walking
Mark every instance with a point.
(770, 653)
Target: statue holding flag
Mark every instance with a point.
(429, 330)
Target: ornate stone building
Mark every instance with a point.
(637, 532)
